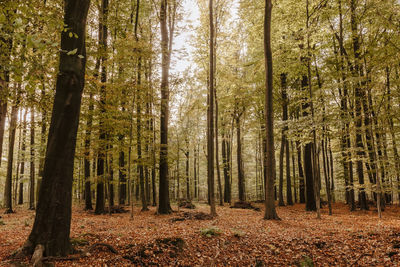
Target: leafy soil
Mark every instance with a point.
(245, 239)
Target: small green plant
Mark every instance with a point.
(211, 231)
(26, 223)
(2, 223)
(306, 262)
(237, 233)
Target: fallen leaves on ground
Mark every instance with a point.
(245, 239)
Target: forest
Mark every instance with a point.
(200, 133)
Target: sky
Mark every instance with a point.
(182, 41)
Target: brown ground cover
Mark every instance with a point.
(236, 237)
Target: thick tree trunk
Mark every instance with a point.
(6, 43)
(269, 159)
(51, 228)
(359, 95)
(163, 202)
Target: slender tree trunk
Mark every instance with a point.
(221, 203)
(10, 160)
(51, 228)
(225, 162)
(294, 172)
(164, 203)
(32, 163)
(210, 116)
(187, 154)
(89, 122)
(241, 179)
(101, 156)
(281, 156)
(285, 117)
(22, 162)
(269, 159)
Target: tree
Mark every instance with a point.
(269, 158)
(101, 157)
(51, 229)
(210, 117)
(164, 204)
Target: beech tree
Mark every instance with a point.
(269, 157)
(51, 229)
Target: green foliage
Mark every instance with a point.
(210, 231)
(238, 233)
(306, 261)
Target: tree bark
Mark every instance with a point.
(32, 163)
(51, 228)
(210, 116)
(163, 202)
(269, 158)
(10, 160)
(22, 162)
(241, 179)
(101, 154)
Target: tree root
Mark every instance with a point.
(37, 257)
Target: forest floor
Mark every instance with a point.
(236, 237)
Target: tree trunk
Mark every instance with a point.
(88, 196)
(241, 181)
(302, 186)
(32, 163)
(221, 203)
(359, 95)
(6, 43)
(210, 116)
(51, 228)
(281, 156)
(22, 162)
(10, 160)
(308, 167)
(163, 202)
(294, 172)
(269, 158)
(187, 154)
(226, 165)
